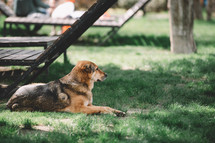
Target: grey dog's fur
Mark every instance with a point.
(39, 97)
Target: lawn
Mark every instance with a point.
(167, 97)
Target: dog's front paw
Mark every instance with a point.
(120, 114)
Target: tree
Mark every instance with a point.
(197, 9)
(210, 6)
(181, 26)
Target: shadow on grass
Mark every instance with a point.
(161, 41)
(205, 43)
(134, 40)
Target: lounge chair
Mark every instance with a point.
(53, 51)
(115, 23)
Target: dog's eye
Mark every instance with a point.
(97, 69)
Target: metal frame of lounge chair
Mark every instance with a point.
(114, 23)
(61, 44)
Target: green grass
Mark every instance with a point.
(167, 97)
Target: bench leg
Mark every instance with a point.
(47, 70)
(65, 56)
(10, 28)
(4, 30)
(109, 35)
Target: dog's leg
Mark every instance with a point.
(94, 110)
(79, 104)
(105, 110)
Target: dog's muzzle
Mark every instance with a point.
(103, 78)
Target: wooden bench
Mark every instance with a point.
(21, 56)
(115, 23)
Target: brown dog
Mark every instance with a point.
(72, 93)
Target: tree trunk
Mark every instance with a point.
(181, 26)
(197, 9)
(210, 5)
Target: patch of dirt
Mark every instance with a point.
(133, 111)
(65, 120)
(43, 128)
(36, 129)
(128, 68)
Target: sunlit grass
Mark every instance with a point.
(167, 97)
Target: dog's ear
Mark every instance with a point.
(89, 68)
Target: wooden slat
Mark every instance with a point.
(34, 57)
(55, 21)
(22, 55)
(2, 51)
(16, 55)
(9, 52)
(16, 62)
(25, 41)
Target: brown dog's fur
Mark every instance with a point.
(72, 93)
